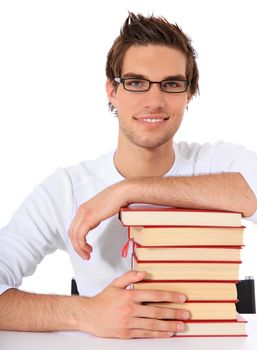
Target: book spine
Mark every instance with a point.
(184, 261)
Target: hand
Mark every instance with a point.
(89, 215)
(118, 312)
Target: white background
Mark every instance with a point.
(53, 108)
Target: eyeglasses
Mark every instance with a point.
(173, 86)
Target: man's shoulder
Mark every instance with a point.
(203, 158)
(90, 169)
(192, 150)
(187, 151)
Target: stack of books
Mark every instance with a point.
(195, 252)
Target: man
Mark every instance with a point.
(151, 77)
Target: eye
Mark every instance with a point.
(174, 85)
(171, 84)
(136, 84)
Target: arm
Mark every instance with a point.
(124, 316)
(226, 191)
(36, 229)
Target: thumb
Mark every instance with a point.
(129, 277)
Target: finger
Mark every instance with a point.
(129, 277)
(82, 248)
(80, 232)
(143, 333)
(157, 325)
(161, 313)
(86, 252)
(141, 296)
(77, 234)
(79, 226)
(82, 244)
(75, 222)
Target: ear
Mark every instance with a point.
(111, 92)
(189, 98)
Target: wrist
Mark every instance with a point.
(133, 190)
(86, 314)
(80, 313)
(124, 192)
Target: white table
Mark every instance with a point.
(79, 341)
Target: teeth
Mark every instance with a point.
(152, 120)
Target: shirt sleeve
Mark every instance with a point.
(37, 228)
(227, 157)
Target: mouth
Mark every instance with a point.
(153, 120)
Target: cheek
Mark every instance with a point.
(127, 103)
(177, 104)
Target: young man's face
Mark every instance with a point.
(150, 119)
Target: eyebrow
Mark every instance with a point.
(140, 76)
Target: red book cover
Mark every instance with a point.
(149, 207)
(196, 265)
(184, 261)
(167, 251)
(177, 216)
(215, 328)
(150, 237)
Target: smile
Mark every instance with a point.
(152, 120)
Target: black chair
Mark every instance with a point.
(245, 295)
(74, 288)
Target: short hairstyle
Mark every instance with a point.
(141, 30)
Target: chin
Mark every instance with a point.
(150, 143)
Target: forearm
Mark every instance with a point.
(115, 312)
(226, 191)
(34, 312)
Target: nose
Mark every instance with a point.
(154, 97)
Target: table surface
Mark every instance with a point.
(79, 341)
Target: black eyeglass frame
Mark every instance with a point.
(123, 80)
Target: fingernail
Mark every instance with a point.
(180, 326)
(170, 334)
(186, 315)
(140, 273)
(182, 298)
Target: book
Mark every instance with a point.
(194, 252)
(204, 310)
(175, 271)
(195, 291)
(145, 215)
(215, 328)
(207, 254)
(186, 236)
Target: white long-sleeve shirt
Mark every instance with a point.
(40, 225)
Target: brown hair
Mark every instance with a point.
(141, 30)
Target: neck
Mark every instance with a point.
(134, 161)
